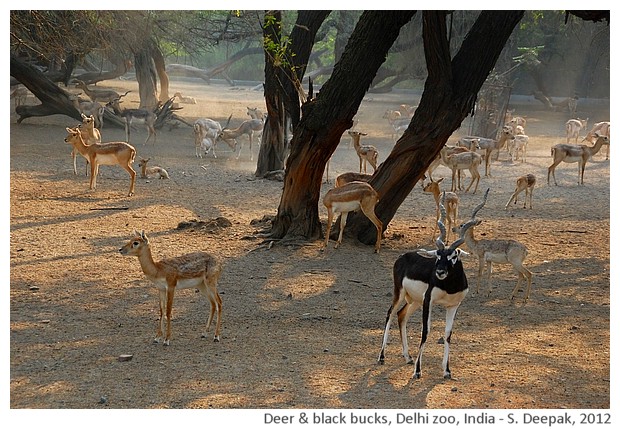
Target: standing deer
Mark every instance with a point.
(366, 153)
(423, 278)
(495, 251)
(573, 128)
(198, 270)
(111, 153)
(348, 198)
(524, 183)
(451, 204)
(569, 153)
(249, 128)
(461, 161)
(129, 116)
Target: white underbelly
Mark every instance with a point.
(181, 284)
(107, 159)
(347, 206)
(572, 159)
(416, 290)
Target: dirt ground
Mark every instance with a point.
(301, 328)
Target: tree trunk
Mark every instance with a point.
(54, 100)
(449, 96)
(160, 67)
(147, 79)
(325, 118)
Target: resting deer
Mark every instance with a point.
(573, 128)
(198, 270)
(129, 116)
(451, 203)
(105, 95)
(524, 183)
(366, 153)
(150, 171)
(495, 251)
(249, 128)
(348, 198)
(423, 278)
(111, 153)
(461, 161)
(569, 153)
(184, 99)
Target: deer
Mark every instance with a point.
(574, 153)
(197, 270)
(573, 128)
(110, 153)
(249, 128)
(524, 183)
(460, 161)
(348, 177)
(148, 171)
(423, 278)
(255, 113)
(129, 116)
(447, 151)
(488, 146)
(184, 99)
(598, 129)
(348, 198)
(451, 204)
(89, 108)
(105, 95)
(366, 153)
(20, 94)
(498, 251)
(205, 135)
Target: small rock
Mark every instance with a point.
(125, 358)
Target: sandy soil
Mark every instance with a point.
(301, 328)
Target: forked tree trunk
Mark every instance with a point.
(281, 94)
(449, 96)
(325, 118)
(147, 78)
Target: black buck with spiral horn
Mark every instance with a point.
(423, 278)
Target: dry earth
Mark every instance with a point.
(301, 327)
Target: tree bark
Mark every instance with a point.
(281, 90)
(449, 96)
(53, 99)
(325, 118)
(147, 78)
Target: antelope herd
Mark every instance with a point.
(421, 277)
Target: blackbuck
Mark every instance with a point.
(423, 278)
(351, 197)
(524, 183)
(451, 204)
(130, 116)
(570, 153)
(197, 270)
(349, 177)
(110, 153)
(366, 153)
(495, 251)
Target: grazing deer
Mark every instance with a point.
(461, 161)
(198, 270)
(111, 153)
(366, 153)
(149, 171)
(249, 128)
(495, 251)
(348, 198)
(451, 204)
(129, 116)
(524, 183)
(423, 278)
(573, 128)
(569, 153)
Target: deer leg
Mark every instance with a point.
(369, 211)
(162, 312)
(489, 272)
(403, 317)
(426, 327)
(169, 300)
(94, 170)
(450, 315)
(330, 218)
(343, 222)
